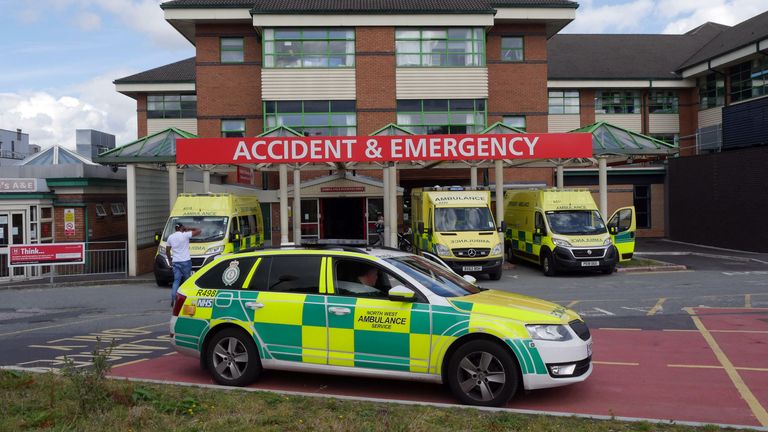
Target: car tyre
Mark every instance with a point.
(548, 264)
(233, 358)
(495, 275)
(163, 283)
(609, 270)
(510, 255)
(482, 373)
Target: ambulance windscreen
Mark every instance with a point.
(212, 228)
(449, 219)
(575, 222)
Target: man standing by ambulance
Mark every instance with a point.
(177, 251)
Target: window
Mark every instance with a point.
(741, 81)
(245, 226)
(118, 209)
(100, 210)
(361, 279)
(617, 102)
(711, 91)
(234, 128)
(663, 102)
(667, 138)
(759, 77)
(512, 49)
(228, 274)
(310, 227)
(295, 274)
(514, 121)
(442, 116)
(309, 48)
(642, 203)
(232, 50)
(563, 101)
(313, 118)
(171, 106)
(435, 47)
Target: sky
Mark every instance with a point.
(59, 58)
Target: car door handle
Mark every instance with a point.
(339, 310)
(254, 305)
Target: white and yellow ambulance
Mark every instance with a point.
(561, 229)
(456, 224)
(228, 223)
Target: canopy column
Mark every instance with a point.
(560, 182)
(206, 181)
(173, 184)
(283, 169)
(131, 202)
(473, 175)
(387, 187)
(392, 217)
(602, 179)
(297, 205)
(499, 174)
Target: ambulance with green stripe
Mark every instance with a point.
(229, 223)
(376, 313)
(561, 230)
(456, 224)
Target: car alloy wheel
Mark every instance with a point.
(481, 376)
(230, 358)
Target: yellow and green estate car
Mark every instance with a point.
(374, 313)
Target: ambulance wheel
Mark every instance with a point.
(483, 373)
(548, 264)
(609, 270)
(510, 255)
(496, 275)
(233, 358)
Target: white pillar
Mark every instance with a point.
(283, 203)
(297, 205)
(173, 184)
(560, 182)
(392, 206)
(132, 243)
(602, 165)
(206, 181)
(385, 178)
(499, 174)
(473, 176)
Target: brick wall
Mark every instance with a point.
(587, 106)
(375, 78)
(141, 114)
(100, 228)
(689, 118)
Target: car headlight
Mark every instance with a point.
(442, 250)
(607, 242)
(215, 250)
(496, 250)
(561, 242)
(548, 332)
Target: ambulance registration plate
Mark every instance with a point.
(590, 263)
(472, 268)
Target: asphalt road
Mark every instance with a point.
(39, 327)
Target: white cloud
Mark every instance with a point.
(689, 14)
(52, 119)
(88, 21)
(622, 17)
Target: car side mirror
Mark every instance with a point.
(157, 238)
(503, 227)
(613, 230)
(421, 228)
(471, 279)
(235, 236)
(537, 231)
(402, 294)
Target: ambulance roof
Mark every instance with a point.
(459, 198)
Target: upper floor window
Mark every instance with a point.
(711, 91)
(171, 106)
(663, 102)
(563, 101)
(515, 121)
(313, 118)
(233, 128)
(749, 79)
(512, 49)
(309, 48)
(435, 47)
(442, 116)
(617, 102)
(232, 50)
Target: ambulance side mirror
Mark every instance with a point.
(157, 238)
(235, 236)
(503, 227)
(612, 229)
(421, 228)
(537, 231)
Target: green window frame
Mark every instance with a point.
(711, 91)
(515, 121)
(749, 80)
(233, 128)
(759, 77)
(617, 102)
(512, 49)
(663, 102)
(232, 49)
(564, 102)
(324, 48)
(671, 139)
(442, 116)
(313, 118)
(440, 46)
(170, 106)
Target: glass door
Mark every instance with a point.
(12, 232)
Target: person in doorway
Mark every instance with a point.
(177, 251)
(380, 230)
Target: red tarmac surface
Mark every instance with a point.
(652, 374)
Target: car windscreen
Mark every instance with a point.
(449, 219)
(575, 222)
(437, 279)
(212, 228)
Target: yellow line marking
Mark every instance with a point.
(619, 329)
(657, 307)
(716, 367)
(129, 363)
(616, 363)
(65, 324)
(572, 304)
(169, 354)
(152, 325)
(748, 300)
(760, 413)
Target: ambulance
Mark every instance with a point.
(562, 230)
(456, 224)
(229, 223)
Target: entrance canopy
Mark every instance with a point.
(159, 147)
(613, 141)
